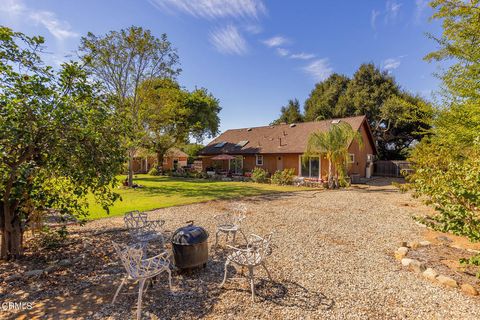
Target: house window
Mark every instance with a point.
(310, 168)
(259, 160)
(351, 158)
(236, 165)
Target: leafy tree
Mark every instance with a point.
(58, 140)
(192, 149)
(333, 144)
(447, 169)
(290, 113)
(122, 60)
(323, 100)
(397, 118)
(172, 115)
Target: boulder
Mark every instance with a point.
(447, 281)
(13, 277)
(414, 244)
(469, 289)
(406, 262)
(401, 253)
(416, 266)
(424, 243)
(33, 273)
(430, 274)
(65, 263)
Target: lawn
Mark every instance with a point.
(161, 192)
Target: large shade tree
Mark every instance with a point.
(122, 60)
(172, 115)
(58, 140)
(290, 113)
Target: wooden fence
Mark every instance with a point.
(390, 168)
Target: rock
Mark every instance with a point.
(65, 263)
(424, 243)
(406, 262)
(13, 277)
(421, 224)
(33, 273)
(401, 253)
(469, 289)
(430, 274)
(404, 243)
(473, 250)
(77, 259)
(50, 269)
(416, 266)
(444, 239)
(414, 244)
(456, 246)
(447, 281)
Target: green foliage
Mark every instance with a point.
(58, 139)
(333, 144)
(50, 238)
(192, 149)
(447, 163)
(473, 261)
(398, 119)
(259, 175)
(290, 113)
(171, 115)
(154, 172)
(122, 60)
(322, 102)
(284, 177)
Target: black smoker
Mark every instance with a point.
(190, 247)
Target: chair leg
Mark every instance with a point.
(268, 273)
(216, 240)
(119, 288)
(252, 285)
(234, 236)
(169, 279)
(225, 274)
(228, 233)
(139, 302)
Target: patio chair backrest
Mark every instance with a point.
(260, 245)
(135, 219)
(131, 258)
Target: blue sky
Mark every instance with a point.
(253, 55)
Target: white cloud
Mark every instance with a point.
(59, 29)
(319, 69)
(228, 40)
(302, 56)
(211, 9)
(283, 52)
(392, 9)
(390, 64)
(16, 10)
(420, 7)
(276, 41)
(373, 18)
(253, 28)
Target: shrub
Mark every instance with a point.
(154, 172)
(259, 175)
(284, 177)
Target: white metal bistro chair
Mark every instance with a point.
(230, 223)
(254, 255)
(141, 269)
(142, 230)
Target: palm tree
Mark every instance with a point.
(333, 144)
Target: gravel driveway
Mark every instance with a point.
(333, 259)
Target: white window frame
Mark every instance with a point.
(351, 158)
(257, 158)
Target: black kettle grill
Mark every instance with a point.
(190, 246)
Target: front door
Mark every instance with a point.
(279, 163)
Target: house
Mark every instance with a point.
(174, 158)
(277, 147)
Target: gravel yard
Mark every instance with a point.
(332, 259)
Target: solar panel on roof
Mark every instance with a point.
(220, 144)
(241, 143)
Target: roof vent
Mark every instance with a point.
(220, 144)
(249, 129)
(336, 121)
(293, 125)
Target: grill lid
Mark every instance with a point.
(189, 235)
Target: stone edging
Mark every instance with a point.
(429, 273)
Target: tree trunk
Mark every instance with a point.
(12, 235)
(130, 168)
(159, 160)
(330, 175)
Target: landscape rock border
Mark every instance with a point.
(429, 273)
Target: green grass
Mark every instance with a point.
(161, 192)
